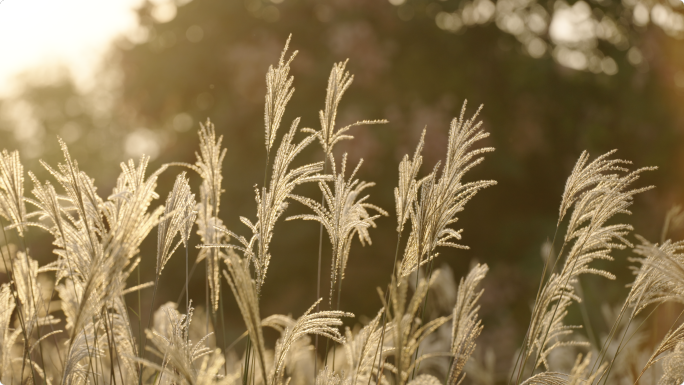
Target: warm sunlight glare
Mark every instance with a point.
(34, 33)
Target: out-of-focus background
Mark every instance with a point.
(121, 78)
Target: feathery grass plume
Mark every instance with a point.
(466, 324)
(127, 210)
(606, 193)
(584, 176)
(95, 246)
(208, 226)
(174, 220)
(83, 346)
(361, 349)
(344, 215)
(209, 369)
(667, 349)
(30, 295)
(272, 203)
(209, 166)
(328, 377)
(338, 83)
(407, 190)
(12, 206)
(170, 336)
(407, 330)
(179, 203)
(581, 374)
(7, 336)
(80, 236)
(673, 370)
(322, 323)
(299, 360)
(425, 379)
(660, 278)
(279, 90)
(441, 199)
(33, 308)
(547, 378)
(246, 295)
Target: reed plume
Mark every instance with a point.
(596, 192)
(466, 324)
(344, 215)
(441, 198)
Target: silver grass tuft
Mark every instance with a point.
(425, 379)
(466, 324)
(170, 336)
(606, 193)
(344, 215)
(272, 202)
(441, 199)
(279, 90)
(322, 323)
(338, 83)
(12, 205)
(174, 221)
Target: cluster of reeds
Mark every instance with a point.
(68, 322)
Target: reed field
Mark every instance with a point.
(68, 321)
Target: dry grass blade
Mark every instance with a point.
(245, 293)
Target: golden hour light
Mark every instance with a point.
(342, 192)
